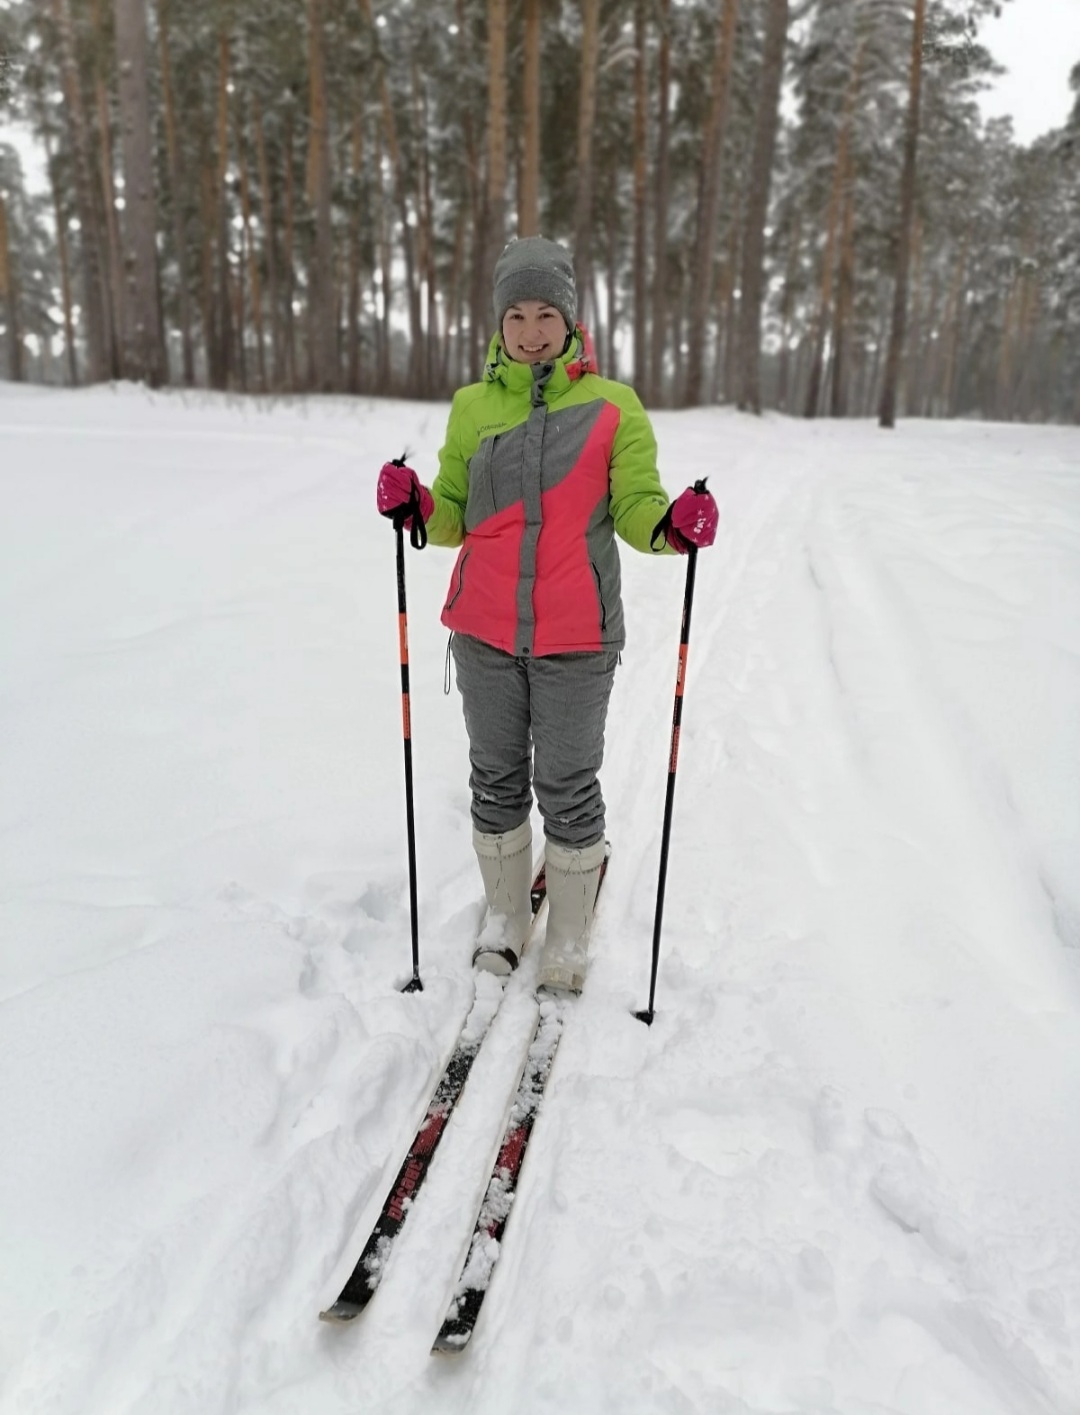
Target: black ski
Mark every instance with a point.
(366, 1275)
(484, 1249)
(472, 1287)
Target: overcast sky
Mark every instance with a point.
(1039, 43)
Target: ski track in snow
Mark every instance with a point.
(838, 1174)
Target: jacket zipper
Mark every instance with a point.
(460, 582)
(599, 596)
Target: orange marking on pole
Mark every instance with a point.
(403, 635)
(674, 750)
(680, 681)
(405, 723)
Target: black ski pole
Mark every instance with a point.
(418, 539)
(649, 1013)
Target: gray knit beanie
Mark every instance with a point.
(535, 269)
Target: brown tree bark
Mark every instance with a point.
(704, 263)
(384, 217)
(172, 148)
(401, 199)
(353, 304)
(9, 300)
(140, 199)
(91, 260)
(494, 226)
(845, 296)
(64, 256)
(121, 351)
(266, 202)
(225, 357)
(661, 187)
(751, 283)
(894, 354)
(529, 195)
(324, 360)
(784, 393)
(583, 202)
(641, 275)
(289, 256)
(828, 260)
(252, 257)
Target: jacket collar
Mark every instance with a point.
(541, 381)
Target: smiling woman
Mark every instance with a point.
(543, 465)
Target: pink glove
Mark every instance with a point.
(692, 519)
(398, 487)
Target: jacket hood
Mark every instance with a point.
(578, 359)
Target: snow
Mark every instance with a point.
(839, 1174)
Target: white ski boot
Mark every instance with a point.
(573, 878)
(507, 871)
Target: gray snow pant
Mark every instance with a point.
(535, 722)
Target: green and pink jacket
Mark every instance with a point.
(542, 465)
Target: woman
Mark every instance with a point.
(544, 463)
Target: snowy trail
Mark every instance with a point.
(839, 1173)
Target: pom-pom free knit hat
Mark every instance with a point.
(533, 268)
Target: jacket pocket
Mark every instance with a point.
(599, 595)
(455, 590)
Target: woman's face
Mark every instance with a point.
(533, 332)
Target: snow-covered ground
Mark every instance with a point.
(841, 1171)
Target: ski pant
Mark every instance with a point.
(535, 722)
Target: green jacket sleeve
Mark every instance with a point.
(450, 488)
(638, 500)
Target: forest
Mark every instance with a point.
(776, 204)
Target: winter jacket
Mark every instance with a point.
(542, 465)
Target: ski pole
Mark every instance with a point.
(418, 539)
(649, 1013)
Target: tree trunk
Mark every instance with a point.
(641, 275)
(172, 145)
(887, 411)
(266, 201)
(427, 267)
(712, 154)
(494, 226)
(752, 275)
(223, 311)
(529, 195)
(353, 305)
(289, 273)
(785, 399)
(845, 296)
(321, 273)
(62, 252)
(254, 279)
(610, 361)
(9, 300)
(953, 318)
(832, 220)
(751, 282)
(386, 266)
(661, 185)
(122, 356)
(208, 248)
(90, 256)
(583, 203)
(140, 202)
(401, 196)
(477, 298)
